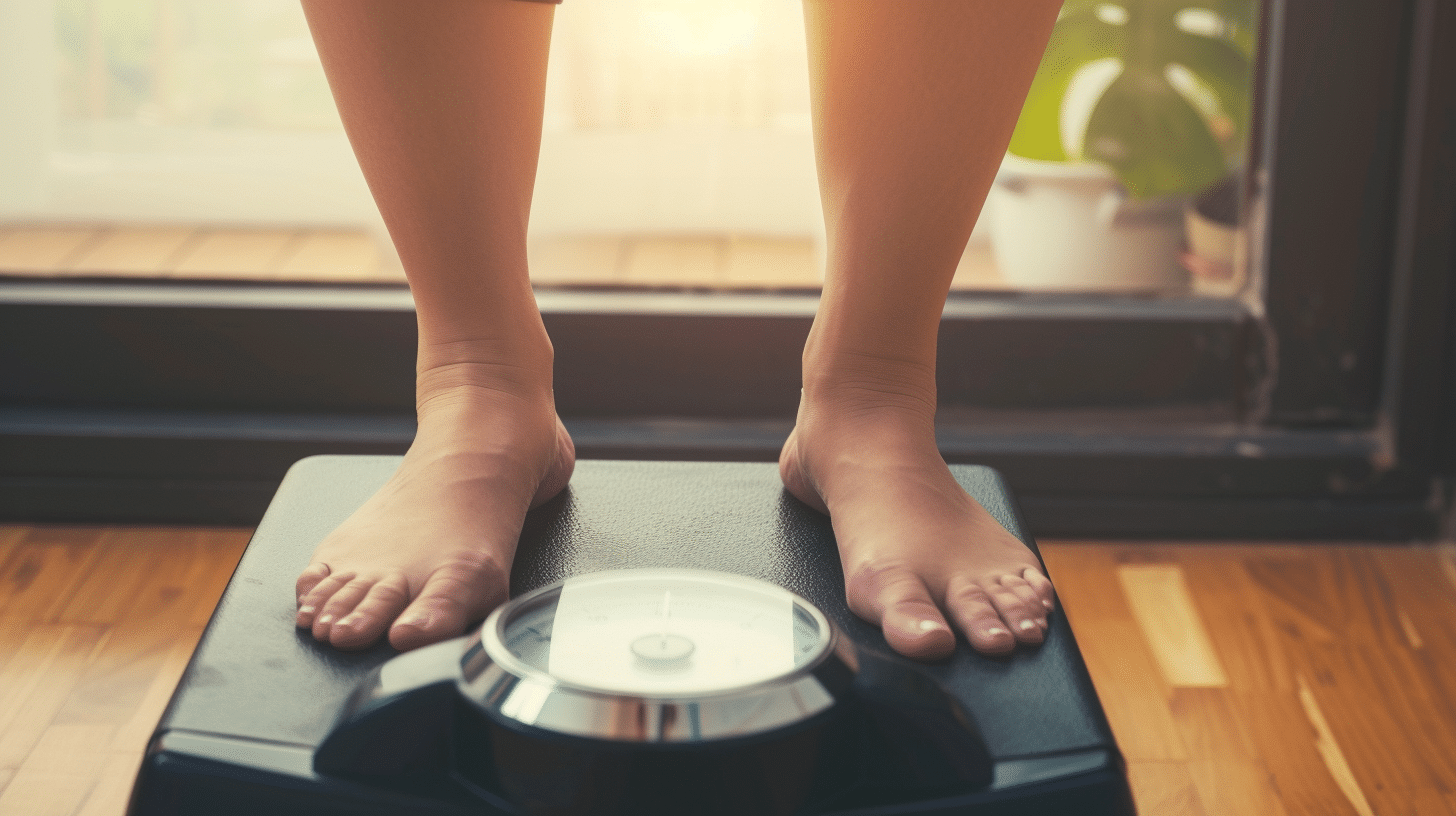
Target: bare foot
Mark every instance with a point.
(431, 552)
(916, 548)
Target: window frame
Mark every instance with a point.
(1322, 410)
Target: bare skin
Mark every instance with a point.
(431, 552)
(914, 104)
(443, 110)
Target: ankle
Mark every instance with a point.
(864, 384)
(453, 370)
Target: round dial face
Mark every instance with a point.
(670, 633)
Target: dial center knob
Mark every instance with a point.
(662, 648)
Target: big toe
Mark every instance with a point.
(900, 603)
(449, 602)
(427, 621)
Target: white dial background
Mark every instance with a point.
(740, 635)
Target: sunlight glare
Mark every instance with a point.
(700, 28)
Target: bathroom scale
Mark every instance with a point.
(677, 642)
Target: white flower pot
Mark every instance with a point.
(1072, 227)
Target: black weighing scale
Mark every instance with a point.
(523, 718)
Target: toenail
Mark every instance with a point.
(306, 610)
(1047, 604)
(996, 631)
(419, 619)
(326, 620)
(930, 625)
(348, 620)
(1026, 625)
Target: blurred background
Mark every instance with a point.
(182, 138)
(1208, 295)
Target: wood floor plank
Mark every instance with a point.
(331, 255)
(342, 255)
(1371, 604)
(150, 574)
(771, 263)
(1165, 789)
(10, 537)
(134, 251)
(1290, 764)
(1249, 646)
(977, 270)
(112, 791)
(1132, 690)
(1299, 596)
(50, 663)
(1332, 754)
(1412, 634)
(59, 772)
(1387, 692)
(1209, 725)
(1164, 610)
(1356, 682)
(154, 588)
(43, 568)
(43, 249)
(247, 254)
(674, 261)
(1326, 710)
(579, 260)
(219, 550)
(1425, 594)
(1082, 573)
(1239, 786)
(133, 734)
(1447, 556)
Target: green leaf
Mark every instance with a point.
(1237, 12)
(1241, 16)
(1152, 138)
(1078, 39)
(1077, 8)
(1226, 71)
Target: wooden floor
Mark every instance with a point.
(180, 252)
(1240, 680)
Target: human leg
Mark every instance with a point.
(442, 104)
(914, 104)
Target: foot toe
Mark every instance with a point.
(446, 605)
(1046, 593)
(426, 621)
(1031, 601)
(1026, 619)
(309, 578)
(364, 625)
(897, 600)
(312, 602)
(977, 618)
(918, 630)
(340, 605)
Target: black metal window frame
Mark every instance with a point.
(1323, 408)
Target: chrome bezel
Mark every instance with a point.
(509, 689)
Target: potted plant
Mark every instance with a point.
(1138, 105)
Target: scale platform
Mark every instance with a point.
(259, 696)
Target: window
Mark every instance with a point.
(1314, 408)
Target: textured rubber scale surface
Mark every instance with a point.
(255, 677)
